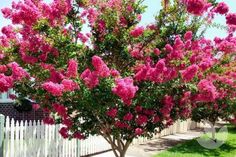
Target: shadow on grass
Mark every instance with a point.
(193, 147)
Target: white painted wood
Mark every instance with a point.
(35, 139)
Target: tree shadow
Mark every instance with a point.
(193, 147)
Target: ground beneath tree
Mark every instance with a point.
(156, 146)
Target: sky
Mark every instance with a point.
(148, 17)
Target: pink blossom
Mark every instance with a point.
(67, 122)
(100, 67)
(60, 109)
(138, 131)
(125, 89)
(101, 26)
(189, 73)
(221, 8)
(188, 35)
(90, 78)
(54, 88)
(78, 135)
(3, 68)
(12, 96)
(138, 108)
(17, 72)
(64, 132)
(72, 70)
(6, 12)
(123, 21)
(69, 85)
(141, 120)
(121, 125)
(92, 15)
(114, 73)
(36, 106)
(128, 117)
(185, 98)
(157, 51)
(6, 83)
(135, 50)
(178, 44)
(168, 48)
(9, 31)
(112, 112)
(156, 119)
(196, 7)
(207, 90)
(48, 120)
(227, 46)
(185, 113)
(82, 37)
(167, 107)
(136, 32)
(149, 112)
(142, 73)
(55, 76)
(231, 19)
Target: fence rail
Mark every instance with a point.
(34, 139)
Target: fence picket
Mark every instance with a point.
(34, 139)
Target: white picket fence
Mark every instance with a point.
(34, 139)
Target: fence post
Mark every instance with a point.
(78, 147)
(2, 120)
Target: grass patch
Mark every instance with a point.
(192, 148)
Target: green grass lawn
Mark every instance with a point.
(193, 149)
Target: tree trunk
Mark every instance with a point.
(118, 146)
(213, 132)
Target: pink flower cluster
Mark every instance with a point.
(91, 14)
(138, 131)
(6, 82)
(69, 85)
(207, 91)
(221, 8)
(9, 32)
(167, 107)
(34, 43)
(30, 11)
(72, 70)
(136, 32)
(159, 73)
(18, 72)
(100, 67)
(196, 7)
(141, 120)
(54, 88)
(135, 51)
(125, 89)
(48, 120)
(90, 78)
(112, 112)
(57, 89)
(122, 125)
(128, 117)
(231, 19)
(61, 110)
(64, 131)
(189, 73)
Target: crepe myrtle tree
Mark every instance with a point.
(220, 86)
(121, 80)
